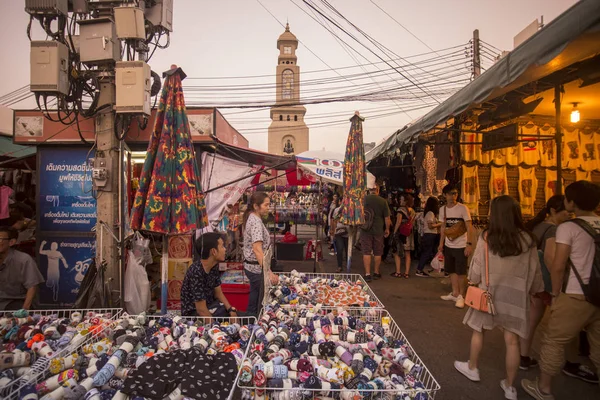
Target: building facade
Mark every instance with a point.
(288, 133)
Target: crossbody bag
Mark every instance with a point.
(477, 298)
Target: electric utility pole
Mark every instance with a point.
(476, 55)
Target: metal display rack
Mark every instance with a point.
(207, 320)
(430, 384)
(353, 278)
(40, 368)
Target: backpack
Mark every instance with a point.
(369, 217)
(406, 226)
(592, 289)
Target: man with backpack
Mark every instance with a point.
(373, 232)
(575, 274)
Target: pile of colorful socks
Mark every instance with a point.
(109, 367)
(32, 344)
(310, 353)
(297, 288)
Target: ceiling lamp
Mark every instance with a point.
(575, 116)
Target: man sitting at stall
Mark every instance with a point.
(201, 293)
(19, 276)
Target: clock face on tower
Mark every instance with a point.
(287, 50)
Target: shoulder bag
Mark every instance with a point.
(455, 231)
(477, 298)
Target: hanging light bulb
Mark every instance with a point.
(575, 116)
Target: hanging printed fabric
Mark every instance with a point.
(528, 149)
(511, 155)
(551, 184)
(528, 185)
(588, 150)
(597, 144)
(547, 147)
(498, 156)
(470, 188)
(571, 151)
(469, 150)
(498, 182)
(583, 175)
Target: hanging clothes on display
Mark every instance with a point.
(583, 175)
(551, 184)
(571, 150)
(597, 145)
(528, 150)
(444, 160)
(470, 188)
(528, 186)
(429, 165)
(511, 155)
(498, 182)
(498, 156)
(469, 151)
(588, 150)
(547, 147)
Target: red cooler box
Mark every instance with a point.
(237, 294)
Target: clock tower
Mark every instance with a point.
(288, 133)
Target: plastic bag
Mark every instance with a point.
(438, 261)
(141, 249)
(137, 286)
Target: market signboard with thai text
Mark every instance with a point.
(65, 198)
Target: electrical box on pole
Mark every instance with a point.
(49, 64)
(47, 7)
(98, 41)
(161, 14)
(133, 87)
(130, 23)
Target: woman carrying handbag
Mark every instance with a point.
(505, 269)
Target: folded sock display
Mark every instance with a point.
(324, 363)
(296, 288)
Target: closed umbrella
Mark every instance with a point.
(355, 182)
(169, 199)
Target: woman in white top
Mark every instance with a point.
(256, 243)
(431, 234)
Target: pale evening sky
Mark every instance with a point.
(237, 38)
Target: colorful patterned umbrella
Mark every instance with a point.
(170, 199)
(355, 181)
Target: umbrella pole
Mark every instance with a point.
(350, 246)
(164, 275)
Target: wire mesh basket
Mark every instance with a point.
(350, 278)
(427, 389)
(40, 368)
(207, 320)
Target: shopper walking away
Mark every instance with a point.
(456, 243)
(403, 235)
(256, 243)
(510, 254)
(543, 226)
(574, 305)
(376, 228)
(431, 235)
(339, 236)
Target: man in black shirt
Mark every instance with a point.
(201, 292)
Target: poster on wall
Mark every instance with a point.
(63, 262)
(65, 190)
(177, 271)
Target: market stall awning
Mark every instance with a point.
(9, 150)
(250, 156)
(572, 37)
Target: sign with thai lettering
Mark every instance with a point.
(66, 202)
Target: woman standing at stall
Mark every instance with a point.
(339, 236)
(431, 234)
(256, 243)
(510, 253)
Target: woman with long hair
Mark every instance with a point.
(256, 242)
(404, 243)
(431, 234)
(514, 275)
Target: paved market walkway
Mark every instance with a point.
(435, 330)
